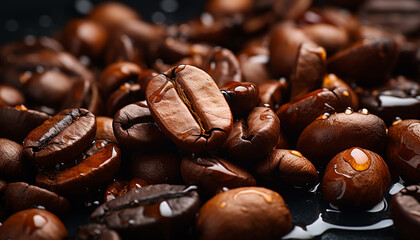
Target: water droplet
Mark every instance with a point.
(39, 221)
(165, 209)
(357, 158)
(169, 5)
(346, 93)
(88, 204)
(296, 153)
(348, 111)
(96, 202)
(131, 221)
(158, 17)
(364, 111)
(45, 21)
(223, 204)
(267, 198)
(12, 25)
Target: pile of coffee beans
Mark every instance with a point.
(116, 128)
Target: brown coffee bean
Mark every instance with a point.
(218, 217)
(155, 168)
(99, 165)
(289, 166)
(242, 97)
(173, 50)
(121, 48)
(153, 212)
(355, 178)
(341, 131)
(20, 196)
(211, 174)
(10, 96)
(112, 14)
(255, 137)
(364, 57)
(135, 128)
(331, 81)
(272, 93)
(145, 77)
(404, 206)
(84, 94)
(104, 129)
(13, 163)
(220, 8)
(121, 187)
(308, 71)
(20, 121)
(33, 224)
(403, 150)
(328, 36)
(93, 231)
(189, 108)
(253, 60)
(127, 93)
(60, 139)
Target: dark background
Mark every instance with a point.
(19, 18)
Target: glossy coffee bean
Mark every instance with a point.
(331, 81)
(117, 74)
(112, 14)
(60, 139)
(126, 94)
(272, 93)
(33, 224)
(402, 152)
(49, 87)
(253, 61)
(365, 56)
(341, 131)
(10, 96)
(242, 97)
(298, 114)
(211, 174)
(328, 36)
(153, 212)
(84, 94)
(104, 129)
(20, 196)
(173, 50)
(355, 178)
(284, 47)
(218, 217)
(13, 163)
(97, 166)
(189, 108)
(145, 77)
(20, 121)
(122, 48)
(135, 128)
(96, 231)
(255, 137)
(308, 71)
(404, 208)
(223, 66)
(220, 8)
(156, 167)
(121, 187)
(289, 166)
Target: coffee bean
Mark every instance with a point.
(60, 139)
(223, 66)
(332, 38)
(355, 178)
(242, 97)
(104, 129)
(189, 108)
(84, 94)
(112, 14)
(272, 93)
(94, 231)
(10, 96)
(33, 224)
(13, 163)
(218, 217)
(126, 94)
(154, 211)
(121, 187)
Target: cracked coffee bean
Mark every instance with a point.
(189, 108)
(153, 212)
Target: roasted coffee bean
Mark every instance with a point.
(84, 94)
(135, 128)
(112, 14)
(403, 150)
(211, 174)
(339, 132)
(404, 208)
(121, 187)
(20, 196)
(13, 163)
(104, 129)
(20, 121)
(94, 231)
(289, 166)
(284, 47)
(10, 96)
(49, 88)
(153, 212)
(331, 81)
(155, 168)
(223, 66)
(328, 36)
(33, 224)
(272, 93)
(97, 166)
(357, 178)
(298, 114)
(220, 8)
(61, 138)
(84, 37)
(255, 137)
(253, 60)
(365, 57)
(121, 48)
(145, 77)
(242, 97)
(189, 108)
(117, 74)
(308, 71)
(397, 98)
(218, 217)
(126, 94)
(173, 50)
